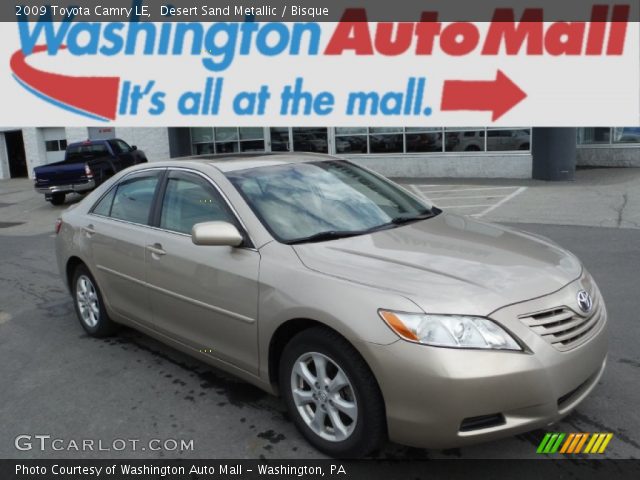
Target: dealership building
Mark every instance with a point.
(543, 153)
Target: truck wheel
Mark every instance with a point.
(57, 198)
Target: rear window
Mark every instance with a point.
(130, 200)
(103, 207)
(82, 152)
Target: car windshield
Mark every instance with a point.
(315, 201)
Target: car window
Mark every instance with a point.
(84, 152)
(119, 146)
(133, 199)
(188, 200)
(299, 200)
(103, 207)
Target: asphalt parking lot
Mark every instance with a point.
(57, 381)
(465, 199)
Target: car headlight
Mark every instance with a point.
(450, 330)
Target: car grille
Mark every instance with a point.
(563, 328)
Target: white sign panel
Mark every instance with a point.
(343, 73)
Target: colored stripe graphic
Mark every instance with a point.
(550, 443)
(579, 438)
(567, 443)
(556, 445)
(573, 443)
(543, 443)
(592, 440)
(581, 443)
(95, 97)
(607, 439)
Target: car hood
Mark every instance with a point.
(448, 264)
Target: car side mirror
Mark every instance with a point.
(133, 148)
(216, 234)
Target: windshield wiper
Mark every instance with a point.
(335, 234)
(414, 218)
(328, 235)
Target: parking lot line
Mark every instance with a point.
(467, 189)
(415, 189)
(465, 206)
(472, 200)
(501, 202)
(464, 196)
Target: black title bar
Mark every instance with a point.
(310, 10)
(316, 469)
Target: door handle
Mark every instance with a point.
(156, 249)
(89, 230)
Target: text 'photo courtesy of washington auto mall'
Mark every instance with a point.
(319, 239)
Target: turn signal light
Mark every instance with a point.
(396, 325)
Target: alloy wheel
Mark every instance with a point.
(324, 397)
(87, 300)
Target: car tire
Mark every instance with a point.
(57, 198)
(316, 407)
(89, 305)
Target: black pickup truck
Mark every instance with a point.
(85, 166)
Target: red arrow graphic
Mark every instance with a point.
(498, 96)
(93, 95)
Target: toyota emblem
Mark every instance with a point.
(584, 301)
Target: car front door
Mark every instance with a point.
(203, 296)
(117, 229)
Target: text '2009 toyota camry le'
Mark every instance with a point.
(374, 314)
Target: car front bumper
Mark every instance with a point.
(445, 397)
(73, 187)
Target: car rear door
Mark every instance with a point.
(204, 296)
(118, 227)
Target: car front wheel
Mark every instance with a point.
(89, 305)
(331, 394)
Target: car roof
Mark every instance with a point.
(244, 161)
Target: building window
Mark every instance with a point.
(209, 140)
(226, 139)
(594, 136)
(626, 135)
(508, 140)
(280, 139)
(55, 145)
(202, 140)
(388, 140)
(457, 140)
(423, 140)
(352, 140)
(299, 139)
(310, 139)
(251, 139)
(609, 136)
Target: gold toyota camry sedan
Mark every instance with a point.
(373, 313)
